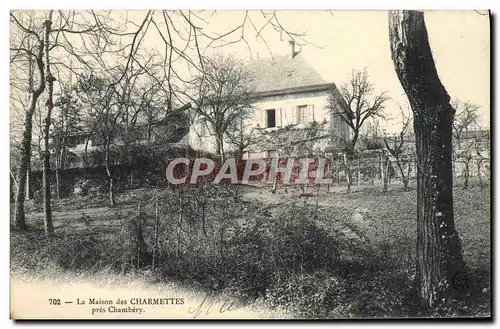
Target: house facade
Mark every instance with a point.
(289, 92)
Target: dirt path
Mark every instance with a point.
(31, 299)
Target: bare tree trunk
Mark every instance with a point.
(20, 220)
(404, 178)
(58, 194)
(466, 174)
(29, 192)
(108, 173)
(59, 164)
(157, 218)
(220, 148)
(385, 173)
(138, 237)
(347, 173)
(439, 252)
(49, 227)
(86, 161)
(13, 180)
(479, 174)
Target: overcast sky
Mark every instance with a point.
(349, 40)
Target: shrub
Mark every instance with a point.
(309, 295)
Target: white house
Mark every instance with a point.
(289, 91)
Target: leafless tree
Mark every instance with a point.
(49, 77)
(439, 252)
(464, 120)
(394, 145)
(223, 96)
(363, 103)
(479, 150)
(35, 40)
(27, 47)
(94, 40)
(241, 136)
(101, 103)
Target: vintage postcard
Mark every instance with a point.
(200, 164)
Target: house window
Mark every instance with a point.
(302, 114)
(270, 118)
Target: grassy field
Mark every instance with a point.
(368, 273)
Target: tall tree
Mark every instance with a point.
(223, 96)
(49, 227)
(34, 40)
(67, 122)
(27, 43)
(395, 147)
(241, 136)
(439, 252)
(100, 102)
(465, 119)
(363, 103)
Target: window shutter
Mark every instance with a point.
(284, 117)
(279, 119)
(263, 119)
(294, 115)
(310, 113)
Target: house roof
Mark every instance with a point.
(283, 72)
(293, 90)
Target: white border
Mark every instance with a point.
(192, 4)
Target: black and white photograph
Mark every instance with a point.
(250, 164)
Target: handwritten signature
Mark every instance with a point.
(211, 304)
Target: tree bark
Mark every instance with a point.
(220, 147)
(466, 172)
(20, 220)
(108, 173)
(347, 173)
(479, 162)
(155, 250)
(49, 227)
(439, 252)
(56, 169)
(29, 192)
(385, 173)
(404, 178)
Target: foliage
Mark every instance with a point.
(353, 258)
